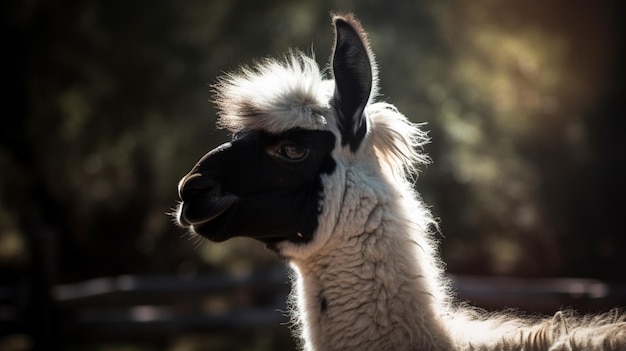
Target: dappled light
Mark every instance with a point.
(511, 105)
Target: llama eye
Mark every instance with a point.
(239, 135)
(292, 151)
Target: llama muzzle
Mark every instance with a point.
(202, 201)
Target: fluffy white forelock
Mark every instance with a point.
(274, 96)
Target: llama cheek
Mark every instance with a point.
(329, 211)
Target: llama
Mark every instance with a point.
(321, 173)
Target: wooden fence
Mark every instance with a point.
(157, 307)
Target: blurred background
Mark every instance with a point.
(106, 105)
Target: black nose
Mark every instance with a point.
(193, 183)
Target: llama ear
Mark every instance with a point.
(352, 70)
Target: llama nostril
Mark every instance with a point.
(192, 183)
(183, 185)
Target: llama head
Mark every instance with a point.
(294, 136)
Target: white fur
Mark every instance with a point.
(373, 258)
(274, 96)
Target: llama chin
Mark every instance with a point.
(323, 174)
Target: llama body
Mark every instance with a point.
(331, 194)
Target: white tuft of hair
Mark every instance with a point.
(397, 141)
(274, 96)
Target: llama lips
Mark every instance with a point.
(203, 209)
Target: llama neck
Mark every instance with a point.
(374, 284)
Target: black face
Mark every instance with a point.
(259, 185)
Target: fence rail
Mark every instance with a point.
(160, 306)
